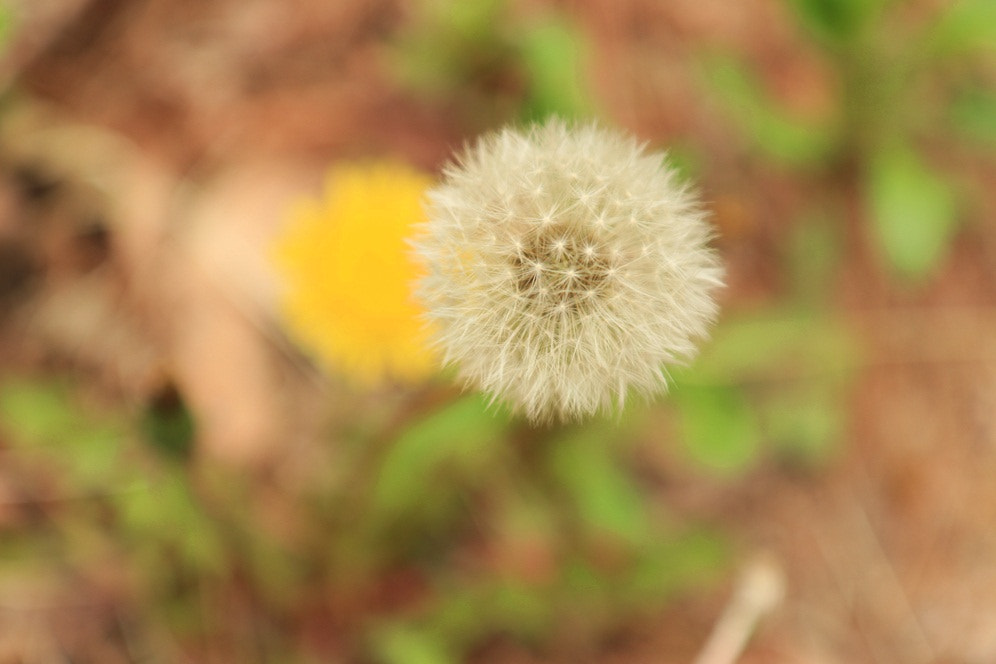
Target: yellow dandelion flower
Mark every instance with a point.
(348, 271)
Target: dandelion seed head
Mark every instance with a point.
(565, 265)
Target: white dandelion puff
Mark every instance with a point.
(565, 266)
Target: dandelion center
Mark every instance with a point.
(557, 273)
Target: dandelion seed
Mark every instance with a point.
(562, 319)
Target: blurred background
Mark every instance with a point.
(179, 482)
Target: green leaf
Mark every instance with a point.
(404, 644)
(788, 139)
(94, 455)
(966, 26)
(166, 514)
(775, 345)
(43, 417)
(681, 561)
(471, 21)
(6, 26)
(913, 213)
(553, 55)
(169, 425)
(468, 610)
(687, 160)
(777, 377)
(607, 498)
(837, 22)
(719, 430)
(277, 574)
(36, 413)
(804, 424)
(974, 115)
(450, 44)
(518, 608)
(583, 583)
(460, 434)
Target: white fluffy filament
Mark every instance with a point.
(565, 266)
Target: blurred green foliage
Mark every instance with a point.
(545, 508)
(168, 425)
(913, 210)
(838, 23)
(903, 84)
(973, 113)
(774, 381)
(91, 456)
(452, 44)
(85, 449)
(776, 133)
(6, 25)
(455, 443)
(498, 66)
(500, 530)
(553, 55)
(965, 27)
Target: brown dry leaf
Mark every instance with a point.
(223, 294)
